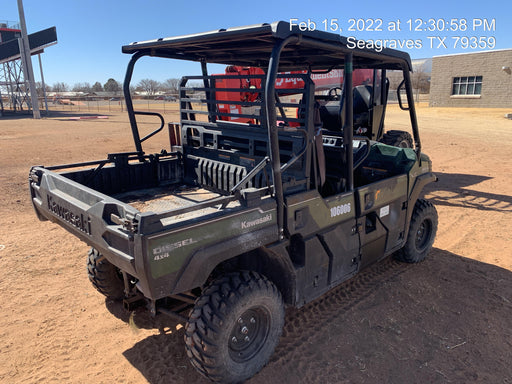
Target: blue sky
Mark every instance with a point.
(91, 32)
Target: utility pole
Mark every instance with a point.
(27, 63)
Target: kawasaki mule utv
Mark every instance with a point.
(254, 203)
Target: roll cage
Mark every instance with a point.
(276, 48)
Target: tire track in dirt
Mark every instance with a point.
(293, 357)
(318, 320)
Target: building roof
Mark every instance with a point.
(475, 53)
(252, 46)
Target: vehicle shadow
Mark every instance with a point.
(443, 320)
(452, 190)
(140, 317)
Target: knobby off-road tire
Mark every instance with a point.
(422, 233)
(234, 327)
(399, 139)
(104, 276)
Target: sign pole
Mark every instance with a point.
(28, 70)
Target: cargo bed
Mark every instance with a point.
(166, 199)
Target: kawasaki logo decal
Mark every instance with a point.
(253, 223)
(76, 220)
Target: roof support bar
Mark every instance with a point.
(348, 131)
(412, 112)
(209, 94)
(129, 102)
(273, 138)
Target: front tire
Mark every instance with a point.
(422, 233)
(234, 327)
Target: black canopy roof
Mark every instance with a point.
(252, 46)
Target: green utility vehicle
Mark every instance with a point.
(252, 207)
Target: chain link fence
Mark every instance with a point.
(91, 105)
(161, 105)
(115, 104)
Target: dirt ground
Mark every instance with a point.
(445, 320)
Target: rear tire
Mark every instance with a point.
(422, 233)
(105, 276)
(234, 327)
(399, 139)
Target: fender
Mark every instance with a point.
(418, 186)
(196, 270)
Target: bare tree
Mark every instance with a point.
(60, 87)
(149, 86)
(82, 87)
(171, 85)
(420, 79)
(39, 88)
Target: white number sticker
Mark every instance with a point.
(340, 209)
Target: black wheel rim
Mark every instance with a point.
(423, 234)
(249, 334)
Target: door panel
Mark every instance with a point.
(342, 245)
(324, 231)
(382, 214)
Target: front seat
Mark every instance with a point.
(332, 112)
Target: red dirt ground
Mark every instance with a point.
(445, 320)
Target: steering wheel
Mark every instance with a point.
(333, 93)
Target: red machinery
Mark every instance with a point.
(249, 86)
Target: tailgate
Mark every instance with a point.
(86, 213)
